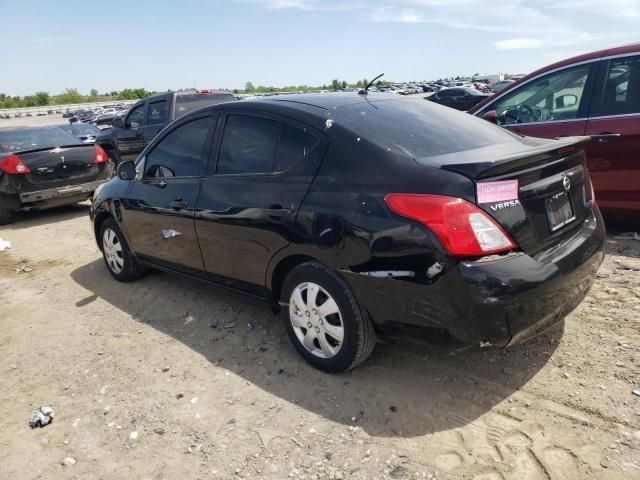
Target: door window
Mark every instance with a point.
(248, 145)
(295, 144)
(621, 90)
(553, 97)
(136, 115)
(180, 153)
(157, 112)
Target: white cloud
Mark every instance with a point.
(393, 14)
(516, 43)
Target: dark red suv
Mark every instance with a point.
(596, 94)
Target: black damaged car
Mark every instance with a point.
(361, 217)
(46, 167)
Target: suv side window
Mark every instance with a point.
(248, 145)
(553, 97)
(157, 112)
(136, 115)
(295, 144)
(180, 153)
(620, 93)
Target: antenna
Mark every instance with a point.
(366, 89)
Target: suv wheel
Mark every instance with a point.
(324, 321)
(6, 216)
(121, 263)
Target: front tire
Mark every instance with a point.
(324, 321)
(120, 262)
(6, 216)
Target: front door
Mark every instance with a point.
(247, 207)
(157, 115)
(130, 138)
(614, 154)
(161, 205)
(551, 106)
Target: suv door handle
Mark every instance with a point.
(604, 137)
(178, 203)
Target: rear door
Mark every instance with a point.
(247, 206)
(614, 156)
(159, 210)
(553, 105)
(130, 138)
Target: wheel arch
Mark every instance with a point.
(97, 225)
(282, 269)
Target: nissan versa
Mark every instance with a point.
(362, 217)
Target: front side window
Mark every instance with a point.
(550, 98)
(180, 153)
(248, 145)
(157, 112)
(621, 90)
(136, 115)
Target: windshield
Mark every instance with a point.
(34, 139)
(81, 129)
(417, 128)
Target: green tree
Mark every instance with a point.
(94, 92)
(335, 84)
(70, 95)
(249, 87)
(42, 98)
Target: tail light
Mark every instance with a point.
(463, 228)
(101, 155)
(13, 164)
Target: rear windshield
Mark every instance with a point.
(80, 129)
(34, 139)
(189, 103)
(419, 128)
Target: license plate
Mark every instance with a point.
(559, 210)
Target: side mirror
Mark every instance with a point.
(134, 124)
(117, 122)
(565, 101)
(126, 171)
(491, 116)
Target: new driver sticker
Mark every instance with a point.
(491, 192)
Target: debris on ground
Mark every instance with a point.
(636, 391)
(4, 244)
(24, 269)
(628, 236)
(230, 325)
(41, 416)
(214, 323)
(68, 461)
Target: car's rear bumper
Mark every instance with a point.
(501, 300)
(61, 192)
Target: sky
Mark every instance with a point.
(109, 45)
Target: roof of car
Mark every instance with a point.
(328, 101)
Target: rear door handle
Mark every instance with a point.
(604, 137)
(178, 203)
(277, 212)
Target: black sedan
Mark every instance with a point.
(361, 216)
(46, 167)
(460, 98)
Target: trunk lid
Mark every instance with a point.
(57, 167)
(540, 193)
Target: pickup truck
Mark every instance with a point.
(129, 135)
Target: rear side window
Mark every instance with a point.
(180, 153)
(190, 102)
(157, 112)
(248, 145)
(295, 144)
(621, 89)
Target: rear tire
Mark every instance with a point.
(324, 321)
(121, 263)
(6, 216)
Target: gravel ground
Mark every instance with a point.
(143, 386)
(168, 378)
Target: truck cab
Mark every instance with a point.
(130, 134)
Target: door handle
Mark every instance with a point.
(178, 203)
(277, 212)
(604, 137)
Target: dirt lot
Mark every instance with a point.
(238, 402)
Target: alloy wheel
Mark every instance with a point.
(316, 320)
